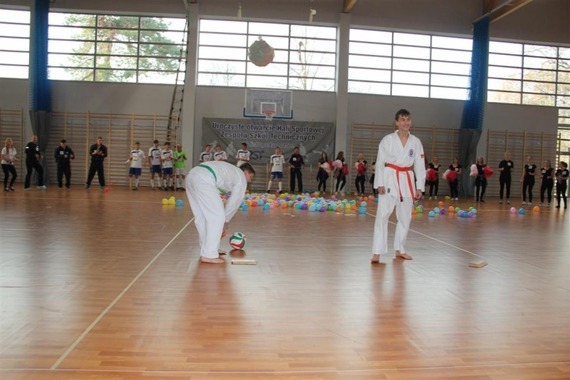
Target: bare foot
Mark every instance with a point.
(375, 259)
(404, 256)
(208, 260)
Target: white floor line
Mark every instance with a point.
(108, 308)
(439, 241)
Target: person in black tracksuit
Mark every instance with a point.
(561, 183)
(33, 157)
(547, 183)
(528, 179)
(98, 152)
(505, 168)
(297, 163)
(63, 155)
(480, 180)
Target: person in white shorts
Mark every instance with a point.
(276, 163)
(154, 161)
(204, 184)
(400, 163)
(136, 159)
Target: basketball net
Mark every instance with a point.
(269, 114)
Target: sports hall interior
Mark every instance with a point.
(107, 284)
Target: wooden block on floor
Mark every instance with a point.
(244, 261)
(478, 264)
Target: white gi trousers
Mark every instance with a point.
(386, 204)
(208, 210)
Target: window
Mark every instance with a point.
(14, 43)
(406, 64)
(304, 56)
(113, 48)
(527, 74)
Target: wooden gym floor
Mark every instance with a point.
(107, 285)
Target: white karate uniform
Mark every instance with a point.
(400, 184)
(203, 190)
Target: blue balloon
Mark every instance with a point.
(179, 203)
(431, 214)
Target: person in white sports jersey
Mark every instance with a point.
(154, 161)
(167, 159)
(219, 154)
(206, 155)
(136, 159)
(276, 163)
(204, 184)
(243, 155)
(400, 163)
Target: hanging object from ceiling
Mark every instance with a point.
(261, 53)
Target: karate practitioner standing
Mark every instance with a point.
(204, 184)
(400, 178)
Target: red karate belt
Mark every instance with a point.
(402, 169)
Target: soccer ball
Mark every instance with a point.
(237, 240)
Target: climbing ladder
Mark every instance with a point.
(178, 93)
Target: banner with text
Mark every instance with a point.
(263, 136)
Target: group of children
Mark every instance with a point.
(481, 171)
(167, 166)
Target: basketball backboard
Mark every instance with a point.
(258, 103)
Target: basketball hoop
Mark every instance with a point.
(269, 114)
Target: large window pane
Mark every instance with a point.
(313, 31)
(370, 36)
(274, 42)
(215, 39)
(222, 53)
(66, 59)
(227, 79)
(505, 60)
(539, 87)
(412, 78)
(451, 55)
(370, 49)
(370, 75)
(412, 39)
(505, 47)
(266, 82)
(14, 44)
(14, 30)
(371, 62)
(416, 59)
(411, 52)
(540, 63)
(272, 69)
(450, 68)
(67, 33)
(11, 71)
(450, 80)
(502, 84)
(221, 66)
(13, 58)
(452, 43)
(505, 72)
(268, 29)
(411, 65)
(120, 46)
(80, 47)
(504, 97)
